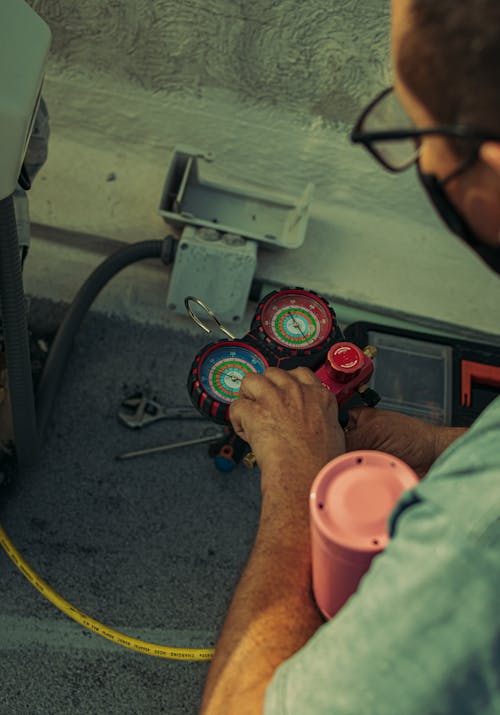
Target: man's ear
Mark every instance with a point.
(482, 201)
(490, 155)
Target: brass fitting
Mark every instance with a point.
(249, 460)
(371, 351)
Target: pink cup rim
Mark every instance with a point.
(398, 477)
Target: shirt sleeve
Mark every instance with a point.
(422, 633)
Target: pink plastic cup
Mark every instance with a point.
(350, 503)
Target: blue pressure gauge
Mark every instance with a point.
(217, 373)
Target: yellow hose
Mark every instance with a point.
(158, 651)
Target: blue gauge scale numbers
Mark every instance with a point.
(225, 367)
(291, 327)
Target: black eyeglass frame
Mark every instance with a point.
(453, 132)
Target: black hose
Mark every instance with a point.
(15, 331)
(61, 347)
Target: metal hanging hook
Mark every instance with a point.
(209, 312)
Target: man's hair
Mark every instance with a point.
(450, 60)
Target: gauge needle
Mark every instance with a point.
(296, 324)
(235, 378)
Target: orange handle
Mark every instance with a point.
(480, 373)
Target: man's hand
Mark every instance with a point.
(290, 420)
(416, 442)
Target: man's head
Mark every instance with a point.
(446, 57)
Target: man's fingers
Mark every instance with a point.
(305, 376)
(236, 418)
(255, 386)
(240, 412)
(276, 391)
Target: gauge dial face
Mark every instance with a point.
(224, 367)
(297, 320)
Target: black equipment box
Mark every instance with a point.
(441, 380)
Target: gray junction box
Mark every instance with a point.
(217, 268)
(222, 225)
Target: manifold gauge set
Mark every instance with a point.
(291, 328)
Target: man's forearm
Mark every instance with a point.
(272, 615)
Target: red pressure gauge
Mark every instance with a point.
(296, 320)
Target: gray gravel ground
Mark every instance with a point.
(152, 546)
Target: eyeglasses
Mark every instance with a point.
(398, 149)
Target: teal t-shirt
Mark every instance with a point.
(422, 634)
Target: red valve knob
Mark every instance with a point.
(345, 369)
(345, 359)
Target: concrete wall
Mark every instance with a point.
(271, 87)
(318, 59)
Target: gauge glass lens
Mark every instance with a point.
(223, 369)
(296, 320)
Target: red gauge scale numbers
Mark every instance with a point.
(295, 321)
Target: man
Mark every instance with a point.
(422, 634)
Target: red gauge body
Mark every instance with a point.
(291, 328)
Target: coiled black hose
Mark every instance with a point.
(15, 332)
(61, 347)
